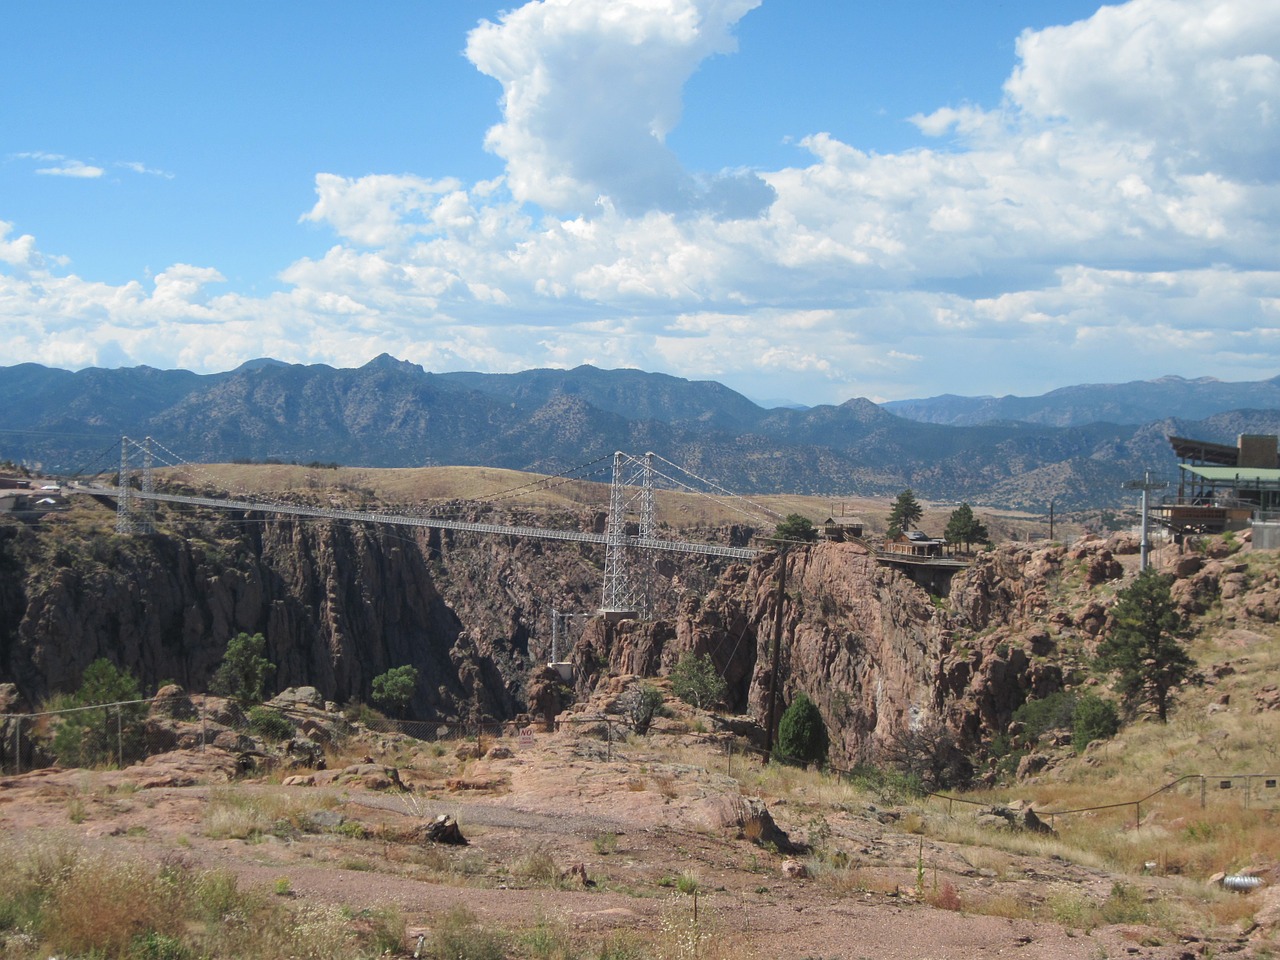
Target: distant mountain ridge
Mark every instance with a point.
(1139, 401)
(393, 413)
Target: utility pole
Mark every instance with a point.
(1050, 519)
(778, 599)
(1146, 485)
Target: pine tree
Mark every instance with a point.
(964, 527)
(906, 512)
(801, 734)
(1146, 644)
(796, 527)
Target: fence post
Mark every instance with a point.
(1202, 797)
(120, 736)
(203, 707)
(1137, 814)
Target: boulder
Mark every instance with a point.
(794, 870)
(297, 697)
(443, 829)
(172, 702)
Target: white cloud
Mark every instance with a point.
(1197, 79)
(72, 168)
(139, 167)
(1062, 236)
(591, 88)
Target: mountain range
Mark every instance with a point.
(1075, 446)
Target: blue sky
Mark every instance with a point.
(801, 199)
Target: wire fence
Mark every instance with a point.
(124, 733)
(1249, 790)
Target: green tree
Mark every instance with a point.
(1095, 719)
(1146, 645)
(796, 527)
(964, 527)
(801, 733)
(905, 513)
(243, 671)
(695, 681)
(395, 688)
(89, 737)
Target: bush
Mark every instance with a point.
(929, 754)
(88, 738)
(1056, 711)
(395, 688)
(641, 704)
(269, 724)
(243, 671)
(695, 681)
(801, 734)
(796, 528)
(1095, 719)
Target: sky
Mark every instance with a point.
(806, 200)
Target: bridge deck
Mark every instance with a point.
(404, 520)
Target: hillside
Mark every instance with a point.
(246, 826)
(389, 413)
(1136, 402)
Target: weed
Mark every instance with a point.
(538, 866)
(76, 811)
(946, 897)
(283, 887)
(688, 883)
(457, 936)
(605, 843)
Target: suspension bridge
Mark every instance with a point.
(631, 491)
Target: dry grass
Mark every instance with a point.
(234, 813)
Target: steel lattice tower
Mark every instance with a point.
(618, 601)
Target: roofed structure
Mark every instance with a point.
(1221, 487)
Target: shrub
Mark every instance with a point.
(87, 738)
(930, 755)
(641, 704)
(796, 527)
(243, 671)
(801, 734)
(695, 681)
(395, 688)
(1095, 719)
(269, 724)
(1047, 713)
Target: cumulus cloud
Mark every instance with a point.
(1062, 235)
(1196, 79)
(590, 90)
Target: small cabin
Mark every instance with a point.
(840, 529)
(915, 543)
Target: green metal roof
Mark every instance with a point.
(1245, 476)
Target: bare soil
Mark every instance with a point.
(633, 817)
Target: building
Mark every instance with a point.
(1222, 487)
(840, 529)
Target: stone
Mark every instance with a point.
(297, 697)
(794, 870)
(443, 829)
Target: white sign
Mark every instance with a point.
(526, 738)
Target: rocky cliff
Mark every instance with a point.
(341, 604)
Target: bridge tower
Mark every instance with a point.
(619, 604)
(134, 514)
